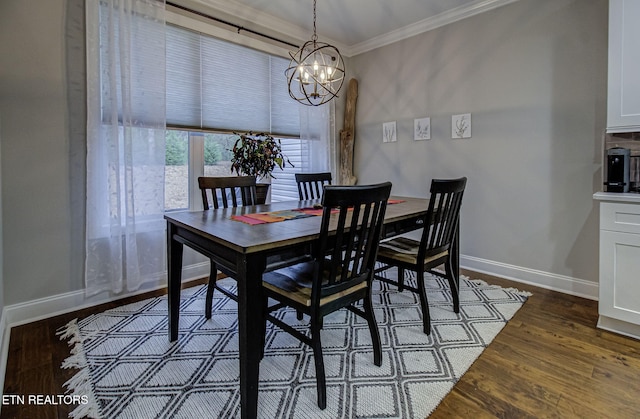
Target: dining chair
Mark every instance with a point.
(310, 184)
(433, 249)
(225, 192)
(340, 273)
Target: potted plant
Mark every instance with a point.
(258, 155)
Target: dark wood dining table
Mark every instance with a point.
(245, 250)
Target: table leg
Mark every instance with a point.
(174, 271)
(249, 331)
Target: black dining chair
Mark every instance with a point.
(433, 249)
(340, 273)
(310, 185)
(225, 192)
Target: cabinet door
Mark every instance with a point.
(620, 276)
(623, 109)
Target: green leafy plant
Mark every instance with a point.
(257, 155)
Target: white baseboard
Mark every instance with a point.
(619, 326)
(4, 347)
(42, 308)
(561, 283)
(27, 312)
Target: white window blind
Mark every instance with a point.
(218, 85)
(283, 186)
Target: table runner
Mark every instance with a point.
(274, 216)
(283, 215)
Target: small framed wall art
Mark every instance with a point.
(461, 126)
(422, 129)
(389, 132)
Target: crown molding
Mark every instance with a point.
(288, 30)
(426, 25)
(262, 20)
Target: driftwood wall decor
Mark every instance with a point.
(348, 136)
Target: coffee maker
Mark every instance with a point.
(618, 160)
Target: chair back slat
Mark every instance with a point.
(359, 242)
(442, 215)
(371, 249)
(231, 191)
(358, 214)
(337, 254)
(311, 185)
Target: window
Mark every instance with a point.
(216, 87)
(210, 156)
(202, 89)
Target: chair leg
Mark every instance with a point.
(400, 279)
(426, 317)
(373, 329)
(213, 276)
(454, 284)
(316, 344)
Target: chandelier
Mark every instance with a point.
(316, 71)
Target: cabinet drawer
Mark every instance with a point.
(620, 217)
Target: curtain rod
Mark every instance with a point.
(238, 27)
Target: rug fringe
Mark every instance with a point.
(80, 383)
(510, 289)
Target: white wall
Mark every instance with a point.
(533, 76)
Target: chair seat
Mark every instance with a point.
(405, 250)
(294, 282)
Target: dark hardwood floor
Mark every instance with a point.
(549, 361)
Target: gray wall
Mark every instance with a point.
(533, 76)
(35, 158)
(1, 248)
(532, 73)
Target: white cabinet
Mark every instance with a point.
(619, 302)
(623, 105)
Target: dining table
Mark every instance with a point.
(245, 250)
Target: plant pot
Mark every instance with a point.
(262, 190)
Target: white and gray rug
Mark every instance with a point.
(129, 369)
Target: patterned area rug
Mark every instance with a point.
(129, 369)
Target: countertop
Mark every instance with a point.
(631, 198)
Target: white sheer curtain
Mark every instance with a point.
(317, 126)
(125, 230)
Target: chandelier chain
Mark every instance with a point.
(315, 37)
